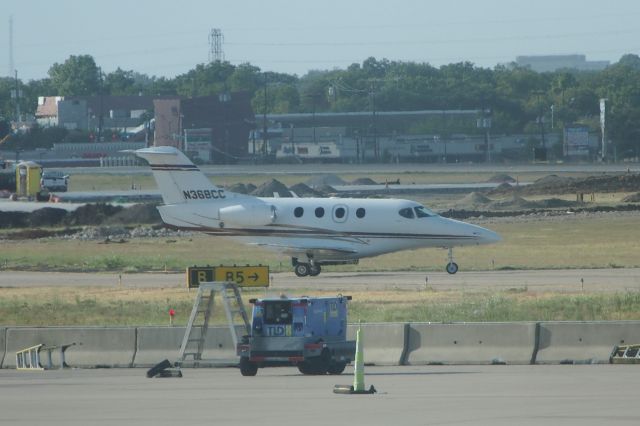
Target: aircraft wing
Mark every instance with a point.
(318, 251)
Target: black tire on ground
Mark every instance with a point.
(304, 367)
(337, 367)
(321, 363)
(452, 268)
(248, 368)
(158, 368)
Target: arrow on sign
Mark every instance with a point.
(254, 276)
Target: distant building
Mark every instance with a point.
(167, 122)
(117, 112)
(47, 110)
(221, 122)
(122, 113)
(550, 63)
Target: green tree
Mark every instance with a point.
(77, 76)
(120, 82)
(205, 79)
(245, 77)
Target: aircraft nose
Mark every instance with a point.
(488, 237)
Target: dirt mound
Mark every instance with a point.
(554, 184)
(269, 188)
(92, 214)
(552, 180)
(239, 188)
(554, 203)
(48, 216)
(501, 178)
(325, 180)
(302, 190)
(136, 214)
(326, 190)
(364, 181)
(473, 200)
(502, 189)
(512, 203)
(250, 188)
(13, 219)
(633, 198)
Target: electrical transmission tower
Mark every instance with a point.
(215, 46)
(11, 66)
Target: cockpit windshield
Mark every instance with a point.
(407, 212)
(416, 212)
(422, 211)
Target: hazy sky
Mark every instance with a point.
(167, 38)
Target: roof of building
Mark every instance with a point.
(48, 106)
(107, 103)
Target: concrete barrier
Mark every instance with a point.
(583, 342)
(95, 346)
(384, 344)
(3, 344)
(471, 343)
(219, 345)
(155, 344)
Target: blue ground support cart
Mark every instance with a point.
(308, 332)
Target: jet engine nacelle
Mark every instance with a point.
(248, 214)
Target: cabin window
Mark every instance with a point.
(406, 212)
(360, 213)
(319, 212)
(422, 211)
(340, 213)
(298, 212)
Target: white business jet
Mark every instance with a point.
(312, 231)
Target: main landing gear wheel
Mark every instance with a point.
(302, 269)
(452, 267)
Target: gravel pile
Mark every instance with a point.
(116, 233)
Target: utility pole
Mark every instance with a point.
(484, 123)
(603, 105)
(264, 119)
(17, 94)
(11, 66)
(101, 117)
(373, 120)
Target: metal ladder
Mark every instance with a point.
(196, 331)
(625, 354)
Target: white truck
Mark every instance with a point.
(54, 181)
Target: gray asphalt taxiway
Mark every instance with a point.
(562, 280)
(411, 395)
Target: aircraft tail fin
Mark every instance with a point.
(178, 179)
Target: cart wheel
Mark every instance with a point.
(248, 368)
(337, 367)
(304, 367)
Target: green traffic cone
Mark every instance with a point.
(358, 373)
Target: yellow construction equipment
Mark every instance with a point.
(28, 174)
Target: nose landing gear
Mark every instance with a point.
(452, 267)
